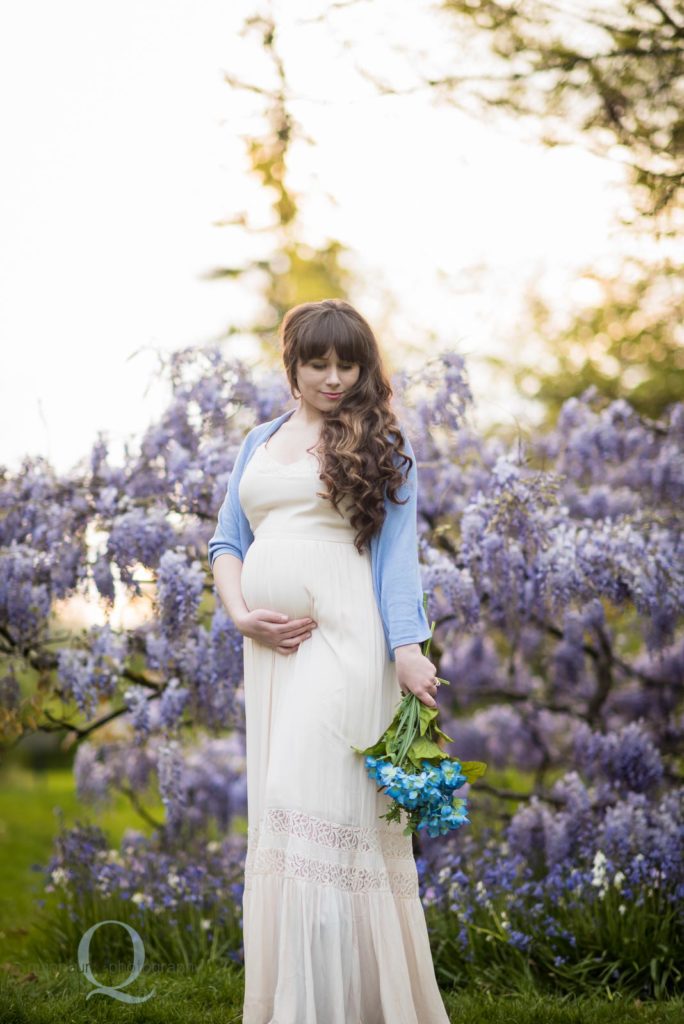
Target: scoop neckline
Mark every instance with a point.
(286, 465)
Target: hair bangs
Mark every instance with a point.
(331, 329)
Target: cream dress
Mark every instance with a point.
(334, 931)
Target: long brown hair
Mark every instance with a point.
(361, 437)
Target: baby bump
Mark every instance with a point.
(275, 576)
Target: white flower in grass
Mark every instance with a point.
(622, 908)
(213, 846)
(598, 873)
(60, 876)
(206, 923)
(481, 890)
(138, 897)
(173, 880)
(619, 879)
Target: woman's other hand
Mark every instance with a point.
(276, 630)
(416, 673)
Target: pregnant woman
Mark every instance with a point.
(317, 565)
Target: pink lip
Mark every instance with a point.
(334, 394)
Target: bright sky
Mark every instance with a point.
(123, 147)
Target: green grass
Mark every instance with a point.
(213, 995)
(28, 825)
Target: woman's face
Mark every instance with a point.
(324, 376)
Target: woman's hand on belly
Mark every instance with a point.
(274, 629)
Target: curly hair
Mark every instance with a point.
(361, 436)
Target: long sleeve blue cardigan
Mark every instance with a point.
(393, 549)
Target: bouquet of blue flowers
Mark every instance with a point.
(409, 764)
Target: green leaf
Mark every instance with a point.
(473, 769)
(436, 731)
(426, 716)
(375, 751)
(423, 747)
(415, 760)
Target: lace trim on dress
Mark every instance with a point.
(350, 857)
(331, 833)
(278, 862)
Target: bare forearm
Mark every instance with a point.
(227, 572)
(406, 649)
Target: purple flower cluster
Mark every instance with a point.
(626, 758)
(92, 673)
(215, 782)
(428, 795)
(172, 703)
(551, 871)
(103, 578)
(203, 786)
(25, 596)
(179, 591)
(456, 586)
(444, 382)
(137, 699)
(208, 664)
(151, 877)
(172, 792)
(140, 535)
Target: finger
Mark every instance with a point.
(286, 638)
(298, 639)
(268, 615)
(295, 641)
(290, 631)
(283, 621)
(289, 642)
(290, 649)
